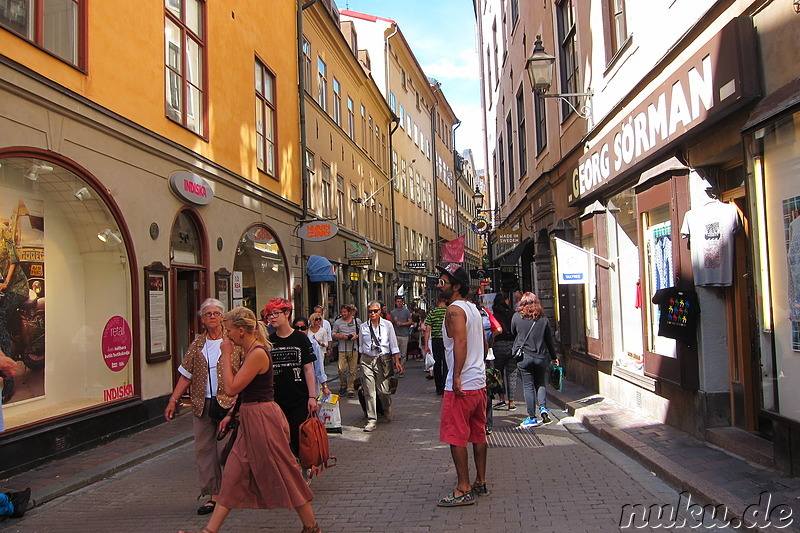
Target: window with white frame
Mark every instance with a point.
(351, 119)
(340, 207)
(307, 64)
(354, 208)
(326, 190)
(265, 119)
(322, 84)
(337, 102)
(184, 50)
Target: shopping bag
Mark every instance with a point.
(329, 412)
(494, 381)
(556, 376)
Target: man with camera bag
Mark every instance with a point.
(378, 346)
(345, 330)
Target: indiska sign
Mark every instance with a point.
(191, 187)
(718, 77)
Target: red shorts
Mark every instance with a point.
(463, 418)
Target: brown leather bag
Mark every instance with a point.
(314, 452)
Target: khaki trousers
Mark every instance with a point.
(374, 374)
(348, 361)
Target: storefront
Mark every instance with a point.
(648, 175)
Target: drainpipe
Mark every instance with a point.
(386, 59)
(301, 87)
(392, 177)
(437, 254)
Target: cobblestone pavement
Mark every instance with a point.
(558, 478)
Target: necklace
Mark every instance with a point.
(251, 347)
(211, 337)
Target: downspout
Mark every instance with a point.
(437, 251)
(301, 87)
(387, 66)
(392, 177)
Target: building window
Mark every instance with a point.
(337, 102)
(265, 118)
(307, 64)
(502, 169)
(401, 113)
(510, 141)
(58, 27)
(351, 119)
(406, 244)
(371, 138)
(514, 12)
(322, 84)
(403, 78)
(185, 63)
(568, 43)
(523, 152)
(392, 101)
(326, 190)
(354, 208)
(541, 123)
(409, 128)
(314, 192)
(363, 127)
(404, 178)
(340, 199)
(616, 27)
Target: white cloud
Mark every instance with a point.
(469, 134)
(464, 66)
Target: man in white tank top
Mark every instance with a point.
(463, 417)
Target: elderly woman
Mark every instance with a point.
(202, 369)
(532, 334)
(261, 472)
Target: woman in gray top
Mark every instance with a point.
(532, 334)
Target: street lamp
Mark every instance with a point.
(540, 71)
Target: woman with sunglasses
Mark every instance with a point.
(202, 369)
(261, 472)
(301, 324)
(320, 333)
(293, 357)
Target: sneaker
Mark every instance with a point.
(481, 490)
(545, 414)
(451, 500)
(351, 394)
(530, 422)
(512, 407)
(342, 391)
(19, 501)
(499, 405)
(388, 414)
(371, 425)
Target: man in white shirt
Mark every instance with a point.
(378, 347)
(464, 403)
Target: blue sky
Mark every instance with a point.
(442, 35)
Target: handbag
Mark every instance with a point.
(556, 376)
(215, 411)
(519, 354)
(494, 381)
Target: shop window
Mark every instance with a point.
(659, 241)
(590, 295)
(58, 26)
(186, 245)
(66, 247)
(184, 50)
(259, 269)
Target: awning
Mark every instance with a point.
(320, 269)
(516, 253)
(774, 103)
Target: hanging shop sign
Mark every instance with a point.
(360, 262)
(573, 263)
(191, 188)
(317, 231)
(511, 236)
(718, 79)
(481, 225)
(355, 276)
(417, 265)
(355, 249)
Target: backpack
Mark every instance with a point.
(314, 452)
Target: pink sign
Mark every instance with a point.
(117, 343)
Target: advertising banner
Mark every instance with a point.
(573, 263)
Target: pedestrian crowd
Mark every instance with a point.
(263, 378)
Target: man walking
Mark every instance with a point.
(345, 330)
(464, 404)
(401, 318)
(378, 346)
(434, 321)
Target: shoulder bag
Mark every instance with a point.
(215, 411)
(519, 354)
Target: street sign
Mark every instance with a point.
(360, 262)
(417, 265)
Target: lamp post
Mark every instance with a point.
(540, 71)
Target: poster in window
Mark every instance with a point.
(22, 327)
(157, 312)
(791, 219)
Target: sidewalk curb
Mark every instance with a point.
(109, 468)
(675, 475)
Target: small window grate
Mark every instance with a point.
(513, 437)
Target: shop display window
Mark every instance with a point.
(61, 244)
(259, 269)
(659, 269)
(773, 168)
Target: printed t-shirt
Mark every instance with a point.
(289, 354)
(678, 313)
(711, 228)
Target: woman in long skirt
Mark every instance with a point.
(261, 472)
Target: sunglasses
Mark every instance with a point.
(301, 328)
(370, 311)
(212, 314)
(317, 319)
(442, 282)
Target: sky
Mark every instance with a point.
(441, 34)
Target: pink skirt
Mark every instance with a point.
(261, 472)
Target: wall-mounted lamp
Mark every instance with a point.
(540, 71)
(109, 237)
(33, 172)
(82, 194)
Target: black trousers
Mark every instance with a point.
(439, 364)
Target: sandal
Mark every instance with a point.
(204, 530)
(311, 529)
(451, 500)
(207, 508)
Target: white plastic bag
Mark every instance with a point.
(329, 413)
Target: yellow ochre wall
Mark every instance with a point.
(125, 74)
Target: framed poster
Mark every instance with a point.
(156, 303)
(222, 284)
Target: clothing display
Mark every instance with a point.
(678, 314)
(793, 258)
(710, 228)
